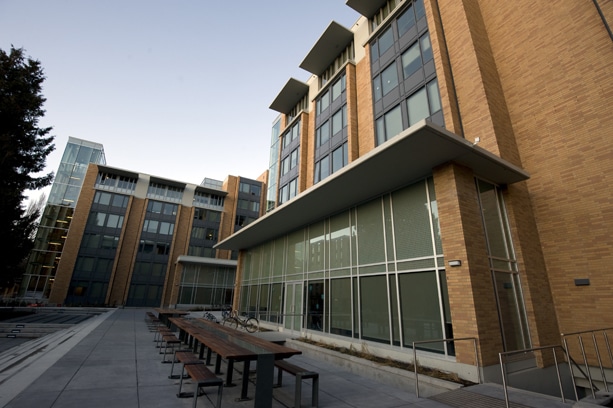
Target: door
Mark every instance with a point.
(292, 309)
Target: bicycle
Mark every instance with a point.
(234, 321)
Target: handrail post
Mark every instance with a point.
(570, 367)
(504, 381)
(477, 361)
(604, 378)
(606, 339)
(415, 368)
(555, 360)
(587, 367)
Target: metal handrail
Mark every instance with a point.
(504, 373)
(441, 341)
(582, 347)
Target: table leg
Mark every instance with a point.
(230, 369)
(265, 375)
(245, 380)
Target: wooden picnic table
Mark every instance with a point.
(165, 314)
(234, 345)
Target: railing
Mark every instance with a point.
(582, 347)
(504, 372)
(444, 341)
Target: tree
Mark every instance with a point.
(24, 147)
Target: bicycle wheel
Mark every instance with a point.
(230, 322)
(252, 325)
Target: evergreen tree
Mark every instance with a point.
(24, 147)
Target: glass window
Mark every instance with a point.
(339, 158)
(374, 309)
(420, 309)
(322, 169)
(417, 105)
(386, 41)
(166, 228)
(412, 230)
(433, 96)
(338, 88)
(323, 133)
(102, 198)
(406, 21)
(293, 188)
(323, 102)
(411, 61)
(151, 226)
(293, 159)
(376, 83)
(389, 79)
(389, 125)
(120, 201)
(419, 8)
(426, 47)
(337, 122)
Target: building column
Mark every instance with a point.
(472, 301)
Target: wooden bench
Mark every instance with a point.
(300, 374)
(169, 340)
(202, 377)
(152, 321)
(159, 333)
(185, 357)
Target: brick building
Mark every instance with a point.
(141, 240)
(444, 172)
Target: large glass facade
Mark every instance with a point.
(207, 285)
(374, 272)
(57, 215)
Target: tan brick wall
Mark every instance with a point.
(365, 121)
(471, 297)
(444, 75)
(61, 284)
(183, 228)
(126, 252)
(353, 141)
(307, 150)
(555, 62)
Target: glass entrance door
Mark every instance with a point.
(293, 306)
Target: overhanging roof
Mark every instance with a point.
(367, 8)
(402, 160)
(290, 95)
(199, 260)
(331, 43)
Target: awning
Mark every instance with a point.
(400, 161)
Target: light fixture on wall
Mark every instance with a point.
(455, 262)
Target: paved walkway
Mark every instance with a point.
(110, 361)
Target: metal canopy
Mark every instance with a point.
(290, 95)
(331, 43)
(367, 8)
(402, 160)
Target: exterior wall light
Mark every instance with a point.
(455, 262)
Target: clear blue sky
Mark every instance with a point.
(177, 89)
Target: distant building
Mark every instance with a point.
(142, 240)
(443, 173)
(57, 216)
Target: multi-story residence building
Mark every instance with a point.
(57, 216)
(443, 173)
(142, 240)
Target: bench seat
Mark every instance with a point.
(185, 357)
(202, 377)
(300, 374)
